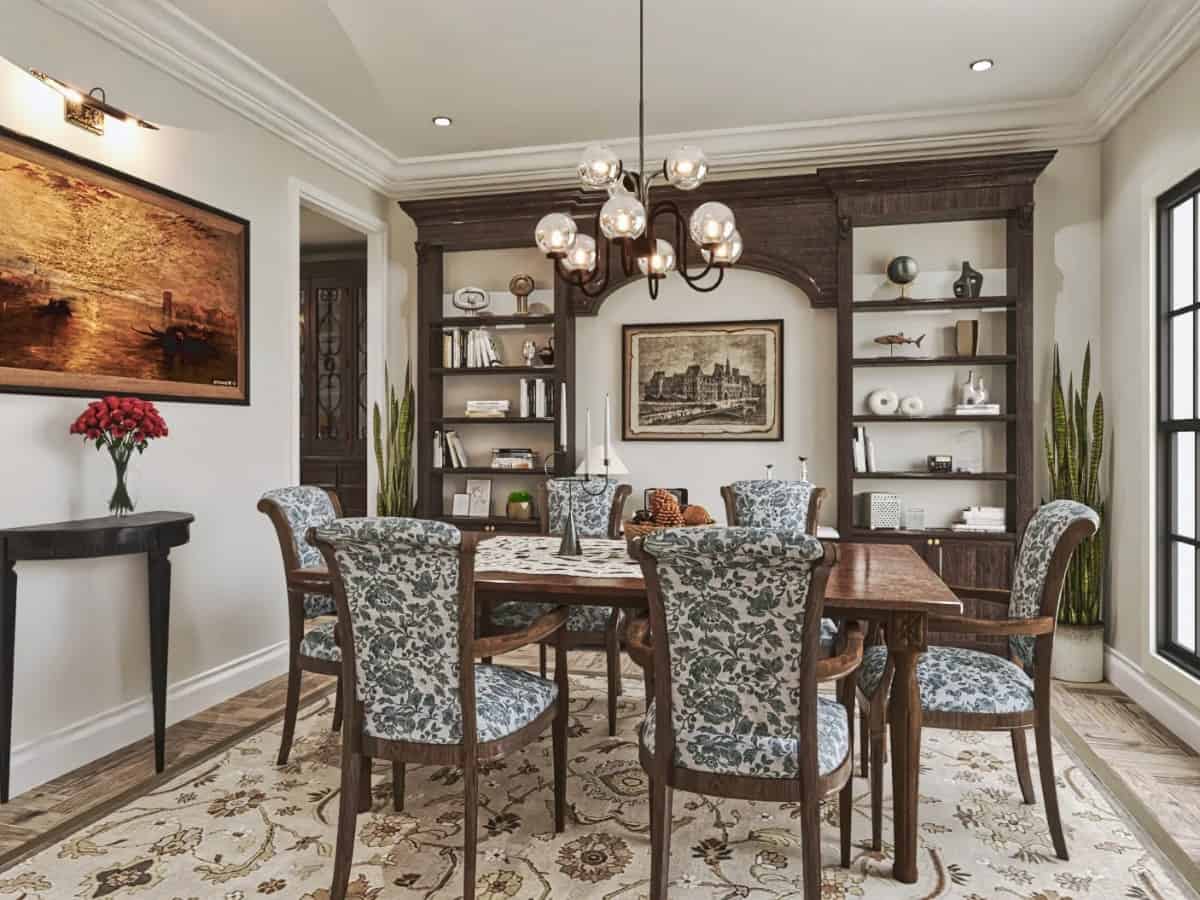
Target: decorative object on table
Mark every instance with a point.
(912, 406)
(120, 425)
(983, 520)
(968, 392)
(695, 514)
(970, 284)
(883, 402)
(626, 222)
(892, 341)
(939, 462)
(519, 506)
(803, 468)
(521, 286)
(393, 450)
(681, 494)
(461, 505)
(471, 299)
(914, 518)
(1074, 450)
(665, 509)
(878, 510)
(546, 354)
(82, 319)
(600, 457)
(902, 272)
(967, 450)
(479, 490)
(769, 471)
(529, 352)
(703, 381)
(966, 337)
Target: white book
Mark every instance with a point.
(459, 450)
(979, 529)
(860, 455)
(524, 398)
(447, 350)
(979, 409)
(438, 459)
(539, 390)
(869, 453)
(456, 350)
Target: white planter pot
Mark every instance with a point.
(1079, 653)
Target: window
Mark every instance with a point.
(1179, 424)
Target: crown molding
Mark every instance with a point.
(1165, 32)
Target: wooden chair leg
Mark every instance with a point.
(337, 706)
(364, 784)
(470, 826)
(291, 708)
(1021, 758)
(810, 839)
(397, 786)
(648, 685)
(864, 750)
(846, 795)
(542, 658)
(561, 722)
(612, 652)
(660, 838)
(347, 820)
(1045, 753)
(878, 733)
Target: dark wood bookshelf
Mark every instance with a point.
(937, 476)
(536, 472)
(491, 420)
(482, 321)
(919, 420)
(495, 370)
(950, 303)
(863, 362)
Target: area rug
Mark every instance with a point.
(238, 827)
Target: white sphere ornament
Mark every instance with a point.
(555, 234)
(599, 167)
(622, 216)
(882, 402)
(582, 255)
(685, 167)
(912, 406)
(725, 253)
(712, 223)
(660, 262)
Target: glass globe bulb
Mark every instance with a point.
(711, 223)
(582, 255)
(686, 167)
(660, 262)
(555, 234)
(622, 216)
(725, 253)
(598, 167)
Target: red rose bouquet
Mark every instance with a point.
(122, 425)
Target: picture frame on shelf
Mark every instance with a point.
(461, 506)
(479, 493)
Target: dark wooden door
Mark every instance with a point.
(334, 418)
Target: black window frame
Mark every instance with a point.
(1185, 191)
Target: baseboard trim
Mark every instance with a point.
(1152, 696)
(49, 756)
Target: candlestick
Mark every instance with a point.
(607, 429)
(562, 411)
(587, 444)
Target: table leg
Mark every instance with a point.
(906, 642)
(159, 571)
(8, 636)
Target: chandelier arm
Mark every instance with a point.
(668, 206)
(628, 262)
(652, 285)
(704, 289)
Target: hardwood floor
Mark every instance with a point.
(1150, 771)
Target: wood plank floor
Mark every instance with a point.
(1154, 774)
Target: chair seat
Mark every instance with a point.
(518, 614)
(761, 756)
(957, 680)
(506, 700)
(320, 643)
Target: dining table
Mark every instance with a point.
(888, 584)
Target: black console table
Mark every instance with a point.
(152, 533)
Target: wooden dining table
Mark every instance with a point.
(885, 583)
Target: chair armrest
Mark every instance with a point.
(539, 629)
(637, 643)
(992, 627)
(989, 595)
(835, 668)
(314, 581)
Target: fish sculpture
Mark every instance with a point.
(892, 341)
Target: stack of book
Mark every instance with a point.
(448, 451)
(985, 519)
(537, 398)
(468, 348)
(487, 409)
(977, 409)
(521, 458)
(864, 451)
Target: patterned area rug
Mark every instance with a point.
(237, 827)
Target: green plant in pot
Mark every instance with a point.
(1074, 448)
(520, 505)
(393, 449)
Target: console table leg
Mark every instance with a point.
(8, 636)
(159, 570)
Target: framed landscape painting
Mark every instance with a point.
(718, 381)
(111, 285)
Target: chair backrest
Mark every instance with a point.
(739, 609)
(773, 503)
(597, 512)
(1051, 536)
(405, 597)
(294, 510)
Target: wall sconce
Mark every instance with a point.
(88, 110)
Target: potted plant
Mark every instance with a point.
(393, 449)
(1074, 446)
(520, 505)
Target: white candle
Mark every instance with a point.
(562, 415)
(607, 429)
(587, 443)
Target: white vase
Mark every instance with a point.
(1079, 653)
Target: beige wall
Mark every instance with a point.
(1153, 148)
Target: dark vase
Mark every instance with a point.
(970, 283)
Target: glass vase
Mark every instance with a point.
(121, 502)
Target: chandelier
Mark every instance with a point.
(630, 222)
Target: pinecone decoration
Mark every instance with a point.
(695, 514)
(664, 509)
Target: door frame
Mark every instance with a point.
(375, 230)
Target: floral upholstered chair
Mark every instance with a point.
(736, 711)
(293, 510)
(974, 690)
(411, 688)
(597, 515)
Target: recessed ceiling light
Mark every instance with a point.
(443, 121)
(982, 65)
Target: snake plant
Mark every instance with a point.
(393, 450)
(1074, 446)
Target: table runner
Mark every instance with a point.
(537, 555)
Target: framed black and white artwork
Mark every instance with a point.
(710, 381)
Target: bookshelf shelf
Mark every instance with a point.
(496, 370)
(863, 362)
(999, 304)
(923, 420)
(537, 472)
(482, 321)
(491, 420)
(937, 476)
